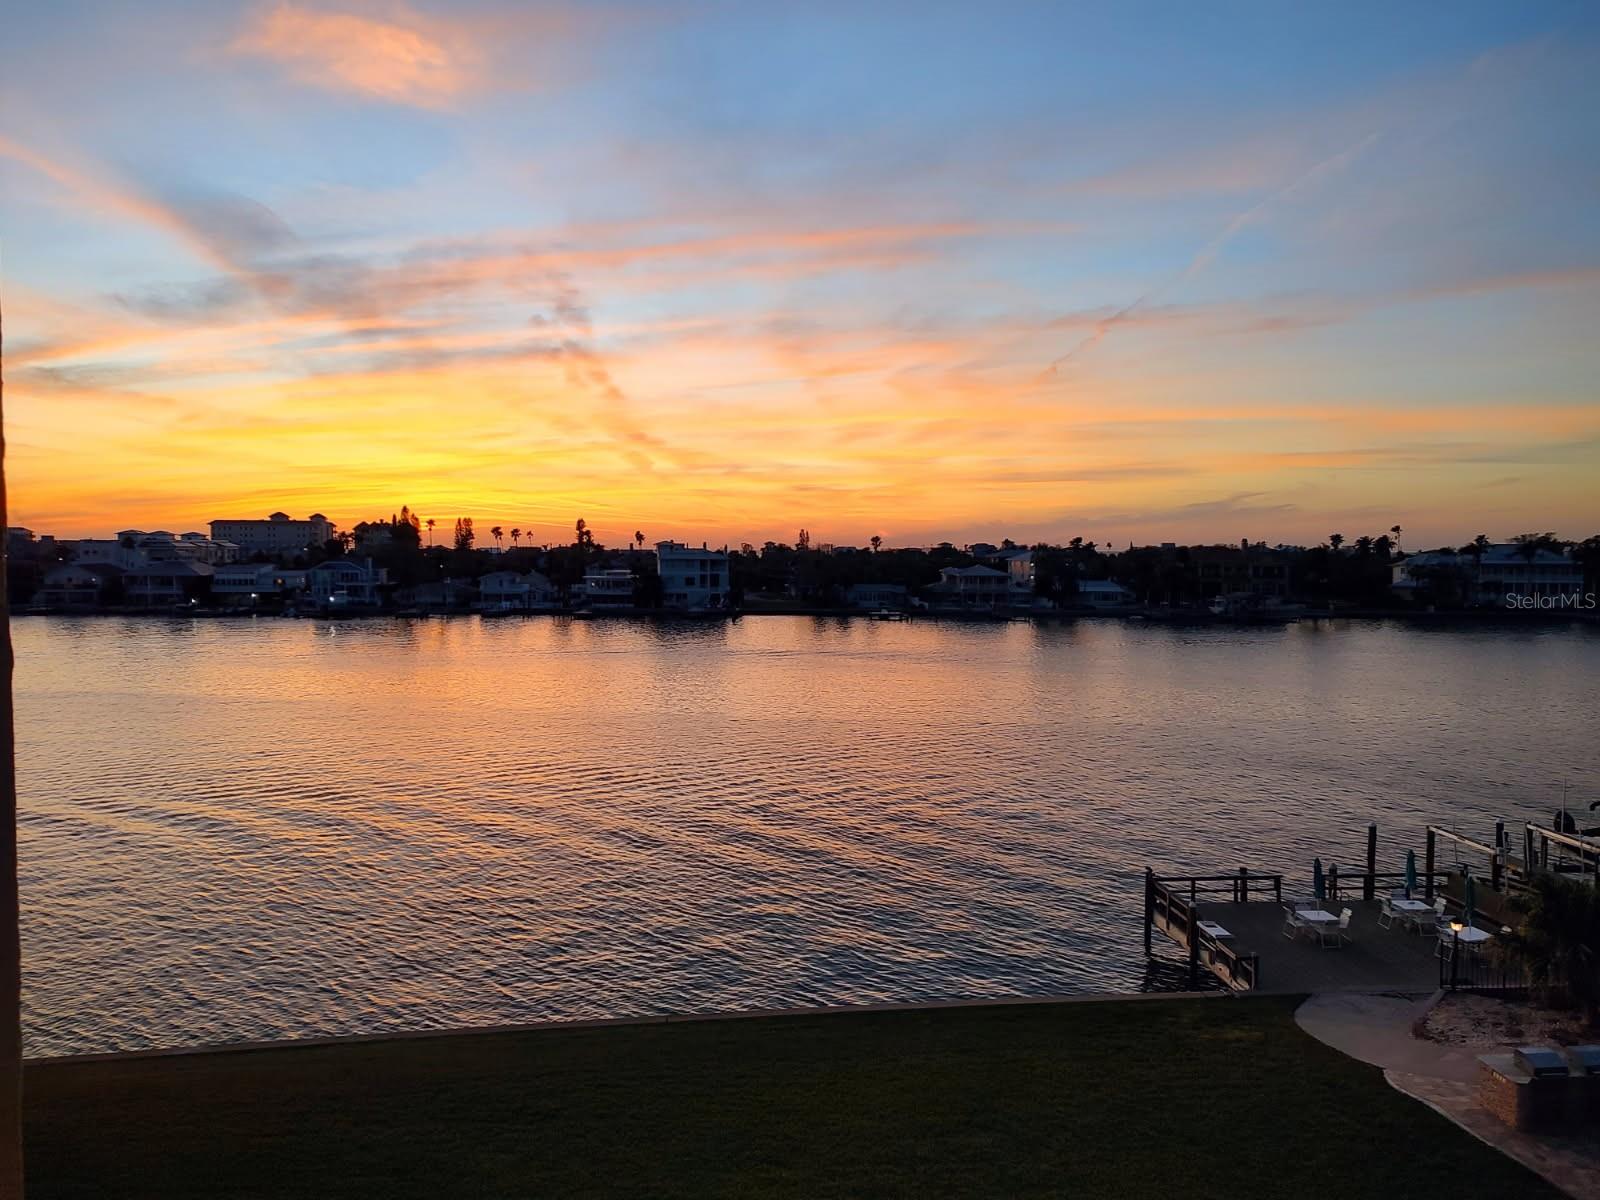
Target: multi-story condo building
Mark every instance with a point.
(278, 534)
(692, 578)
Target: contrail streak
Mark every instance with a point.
(1208, 253)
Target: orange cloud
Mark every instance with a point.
(406, 60)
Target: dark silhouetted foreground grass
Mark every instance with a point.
(1191, 1099)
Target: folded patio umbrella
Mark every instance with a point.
(1467, 898)
(1317, 887)
(1411, 872)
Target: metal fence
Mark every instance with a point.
(1463, 968)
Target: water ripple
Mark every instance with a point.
(281, 829)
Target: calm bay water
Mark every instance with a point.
(238, 830)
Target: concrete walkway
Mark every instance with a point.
(1377, 1029)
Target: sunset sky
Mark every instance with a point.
(719, 271)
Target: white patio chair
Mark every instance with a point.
(1336, 935)
(1446, 942)
(1293, 926)
(1386, 912)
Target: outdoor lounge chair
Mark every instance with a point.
(1293, 926)
(1386, 914)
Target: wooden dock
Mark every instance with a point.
(1231, 925)
(1375, 959)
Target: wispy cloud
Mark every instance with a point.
(1207, 253)
(405, 58)
(111, 197)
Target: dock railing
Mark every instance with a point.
(1343, 885)
(1172, 905)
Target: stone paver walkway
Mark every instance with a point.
(1377, 1029)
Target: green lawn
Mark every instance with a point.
(1173, 1098)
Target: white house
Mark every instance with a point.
(1103, 593)
(248, 583)
(512, 591)
(608, 587)
(978, 585)
(694, 579)
(77, 585)
(161, 584)
(1506, 574)
(1503, 574)
(1020, 566)
(876, 595)
(345, 582)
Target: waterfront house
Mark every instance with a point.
(1504, 574)
(608, 588)
(246, 585)
(1103, 593)
(1019, 565)
(975, 586)
(79, 585)
(1245, 568)
(692, 579)
(1508, 574)
(873, 596)
(345, 583)
(513, 591)
(166, 584)
(444, 595)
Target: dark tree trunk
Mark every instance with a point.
(10, 937)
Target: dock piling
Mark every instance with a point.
(1367, 887)
(1149, 906)
(1427, 867)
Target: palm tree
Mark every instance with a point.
(1336, 540)
(1364, 544)
(496, 533)
(1395, 529)
(877, 543)
(638, 538)
(516, 538)
(1558, 939)
(430, 533)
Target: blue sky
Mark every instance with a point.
(1126, 272)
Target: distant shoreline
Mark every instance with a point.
(1493, 616)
